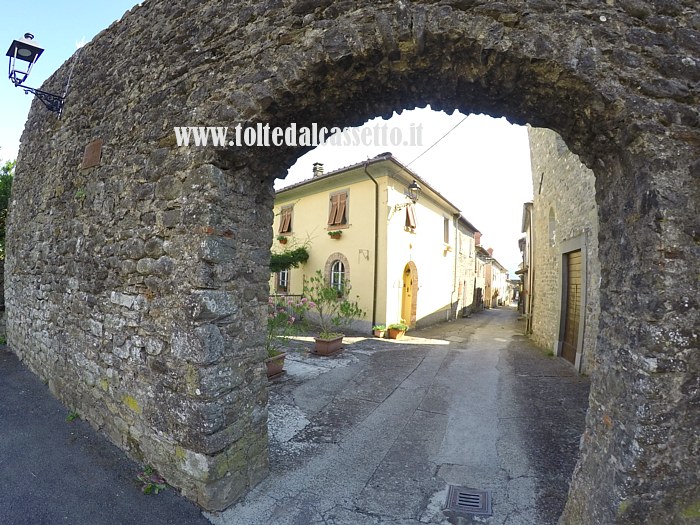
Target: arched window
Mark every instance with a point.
(552, 227)
(337, 270)
(337, 274)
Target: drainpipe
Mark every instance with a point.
(456, 218)
(376, 244)
(531, 275)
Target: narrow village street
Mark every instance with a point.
(377, 433)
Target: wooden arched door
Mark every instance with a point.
(409, 296)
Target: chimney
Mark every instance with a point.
(477, 238)
(318, 169)
(490, 250)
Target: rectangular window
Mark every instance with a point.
(338, 209)
(286, 220)
(410, 217)
(283, 281)
(446, 230)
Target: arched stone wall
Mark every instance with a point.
(137, 287)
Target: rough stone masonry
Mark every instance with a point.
(137, 287)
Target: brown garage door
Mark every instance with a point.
(573, 305)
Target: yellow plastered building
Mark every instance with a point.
(405, 257)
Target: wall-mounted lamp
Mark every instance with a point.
(413, 191)
(26, 50)
(412, 194)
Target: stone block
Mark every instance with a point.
(212, 305)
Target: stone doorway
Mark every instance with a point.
(136, 288)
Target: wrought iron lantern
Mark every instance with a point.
(413, 191)
(26, 50)
(412, 194)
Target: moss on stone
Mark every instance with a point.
(131, 402)
(692, 510)
(191, 379)
(623, 506)
(237, 461)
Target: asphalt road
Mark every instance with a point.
(373, 435)
(59, 472)
(378, 433)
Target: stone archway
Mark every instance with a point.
(136, 287)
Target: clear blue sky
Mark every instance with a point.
(482, 166)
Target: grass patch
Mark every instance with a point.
(151, 481)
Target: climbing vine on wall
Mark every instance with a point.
(288, 259)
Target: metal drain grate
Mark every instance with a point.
(472, 501)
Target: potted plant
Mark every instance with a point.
(334, 309)
(282, 239)
(274, 364)
(378, 330)
(335, 234)
(397, 330)
(281, 324)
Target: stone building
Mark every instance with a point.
(525, 246)
(501, 284)
(560, 252)
(465, 299)
(491, 279)
(482, 259)
(498, 278)
(405, 259)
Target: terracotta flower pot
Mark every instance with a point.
(328, 346)
(282, 241)
(275, 365)
(395, 333)
(335, 235)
